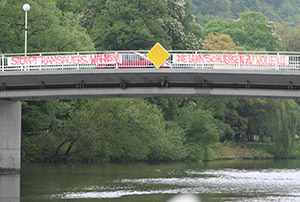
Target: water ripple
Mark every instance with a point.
(255, 185)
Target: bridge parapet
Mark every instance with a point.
(201, 59)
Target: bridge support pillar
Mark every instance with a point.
(10, 188)
(10, 136)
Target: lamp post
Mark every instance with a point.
(26, 8)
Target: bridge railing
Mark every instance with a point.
(201, 59)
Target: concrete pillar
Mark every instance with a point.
(10, 136)
(10, 188)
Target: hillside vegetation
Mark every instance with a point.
(274, 10)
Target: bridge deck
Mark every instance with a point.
(131, 74)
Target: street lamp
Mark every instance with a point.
(26, 8)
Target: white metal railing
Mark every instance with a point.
(200, 59)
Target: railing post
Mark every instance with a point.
(117, 67)
(202, 65)
(238, 66)
(2, 69)
(171, 60)
(277, 65)
(24, 67)
(27, 68)
(78, 62)
(41, 62)
(196, 66)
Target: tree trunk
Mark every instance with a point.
(59, 146)
(69, 148)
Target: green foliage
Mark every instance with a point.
(253, 110)
(48, 28)
(129, 25)
(40, 123)
(117, 25)
(296, 151)
(182, 27)
(217, 41)
(201, 131)
(138, 24)
(207, 10)
(134, 130)
(38, 148)
(251, 150)
(238, 125)
(113, 130)
(123, 125)
(289, 35)
(274, 10)
(285, 118)
(251, 31)
(170, 146)
(169, 106)
(35, 118)
(220, 108)
(259, 32)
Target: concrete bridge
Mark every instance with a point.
(42, 76)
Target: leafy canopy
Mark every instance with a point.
(48, 28)
(251, 31)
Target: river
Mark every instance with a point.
(261, 180)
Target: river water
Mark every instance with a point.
(261, 180)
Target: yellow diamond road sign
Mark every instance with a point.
(158, 55)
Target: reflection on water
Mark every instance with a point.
(10, 188)
(184, 198)
(244, 181)
(259, 184)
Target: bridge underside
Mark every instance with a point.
(144, 83)
(143, 92)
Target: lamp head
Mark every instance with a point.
(26, 7)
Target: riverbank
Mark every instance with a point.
(250, 150)
(228, 150)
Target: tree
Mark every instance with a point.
(289, 35)
(238, 125)
(217, 41)
(201, 131)
(48, 29)
(207, 10)
(137, 24)
(220, 110)
(41, 124)
(288, 10)
(118, 130)
(36, 118)
(182, 27)
(254, 111)
(169, 106)
(259, 32)
(75, 131)
(251, 31)
(284, 119)
(275, 10)
(274, 3)
(118, 25)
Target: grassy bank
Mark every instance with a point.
(250, 150)
(235, 150)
